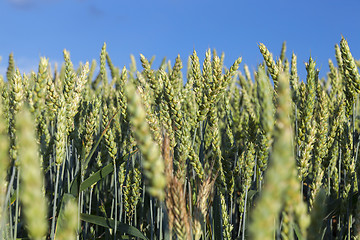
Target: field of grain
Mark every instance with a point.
(162, 152)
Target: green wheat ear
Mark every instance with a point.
(265, 96)
(68, 222)
(350, 69)
(32, 189)
(281, 184)
(11, 68)
(153, 163)
(270, 63)
(4, 158)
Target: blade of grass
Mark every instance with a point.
(297, 232)
(110, 223)
(100, 174)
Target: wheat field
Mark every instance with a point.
(162, 152)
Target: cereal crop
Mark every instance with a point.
(162, 152)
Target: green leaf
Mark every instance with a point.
(110, 223)
(297, 232)
(102, 173)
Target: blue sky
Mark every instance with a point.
(35, 28)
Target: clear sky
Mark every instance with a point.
(35, 28)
